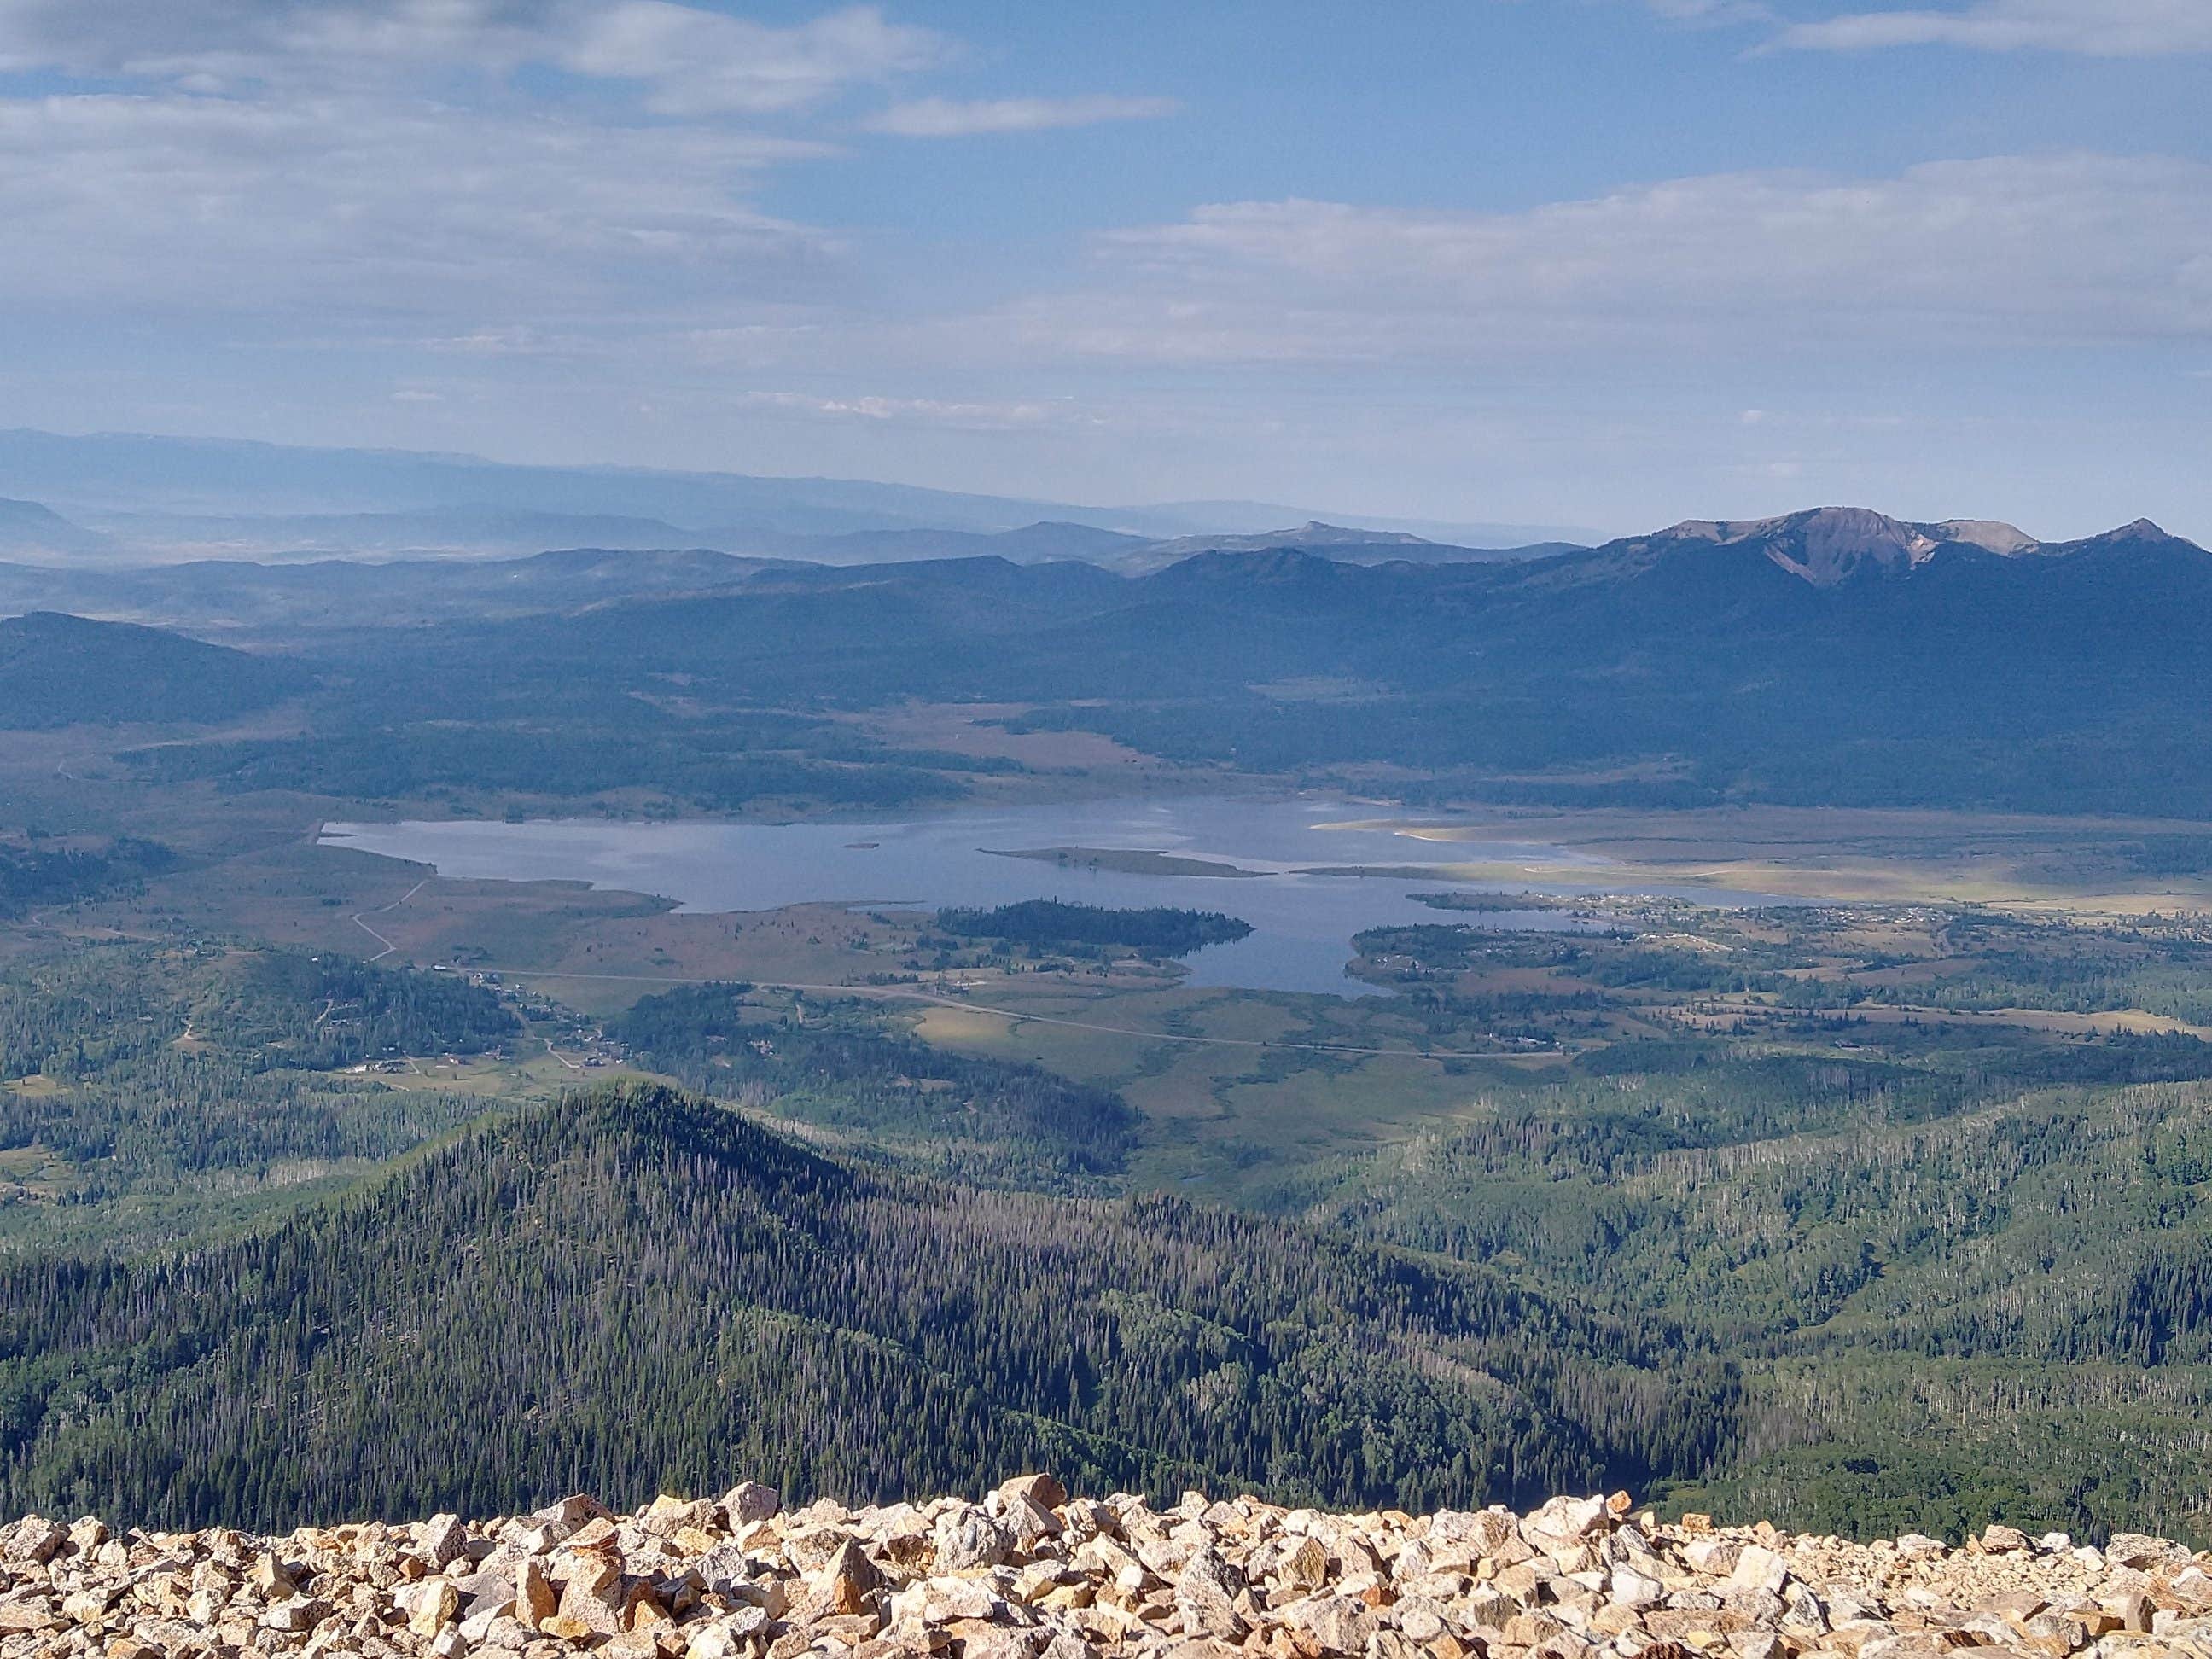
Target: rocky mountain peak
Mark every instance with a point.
(1823, 546)
(2141, 536)
(1829, 545)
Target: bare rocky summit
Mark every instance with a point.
(1830, 546)
(1031, 1574)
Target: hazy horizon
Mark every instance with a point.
(1597, 263)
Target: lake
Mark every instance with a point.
(1303, 922)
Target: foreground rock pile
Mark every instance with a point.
(1028, 1574)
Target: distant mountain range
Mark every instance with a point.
(236, 592)
(29, 530)
(164, 498)
(1835, 656)
(1338, 543)
(1823, 547)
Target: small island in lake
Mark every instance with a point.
(1159, 932)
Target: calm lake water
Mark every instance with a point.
(1302, 923)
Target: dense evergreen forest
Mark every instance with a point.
(1950, 1298)
(37, 870)
(634, 1291)
(983, 1118)
(353, 1010)
(93, 1013)
(165, 1090)
(57, 671)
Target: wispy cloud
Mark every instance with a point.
(686, 59)
(2018, 250)
(949, 118)
(971, 414)
(2099, 28)
(556, 214)
(1712, 11)
(378, 160)
(365, 207)
(695, 61)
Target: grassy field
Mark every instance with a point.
(2079, 865)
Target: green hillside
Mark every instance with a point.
(635, 1290)
(64, 671)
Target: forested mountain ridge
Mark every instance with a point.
(58, 670)
(1835, 658)
(640, 1290)
(1001, 1122)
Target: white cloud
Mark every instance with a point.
(369, 162)
(364, 161)
(2100, 28)
(686, 59)
(947, 117)
(215, 41)
(2011, 250)
(698, 61)
(971, 415)
(1712, 11)
(355, 208)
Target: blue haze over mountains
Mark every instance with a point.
(1835, 656)
(159, 497)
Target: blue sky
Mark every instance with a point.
(1597, 263)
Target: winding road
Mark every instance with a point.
(359, 919)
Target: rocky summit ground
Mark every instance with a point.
(1031, 1574)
